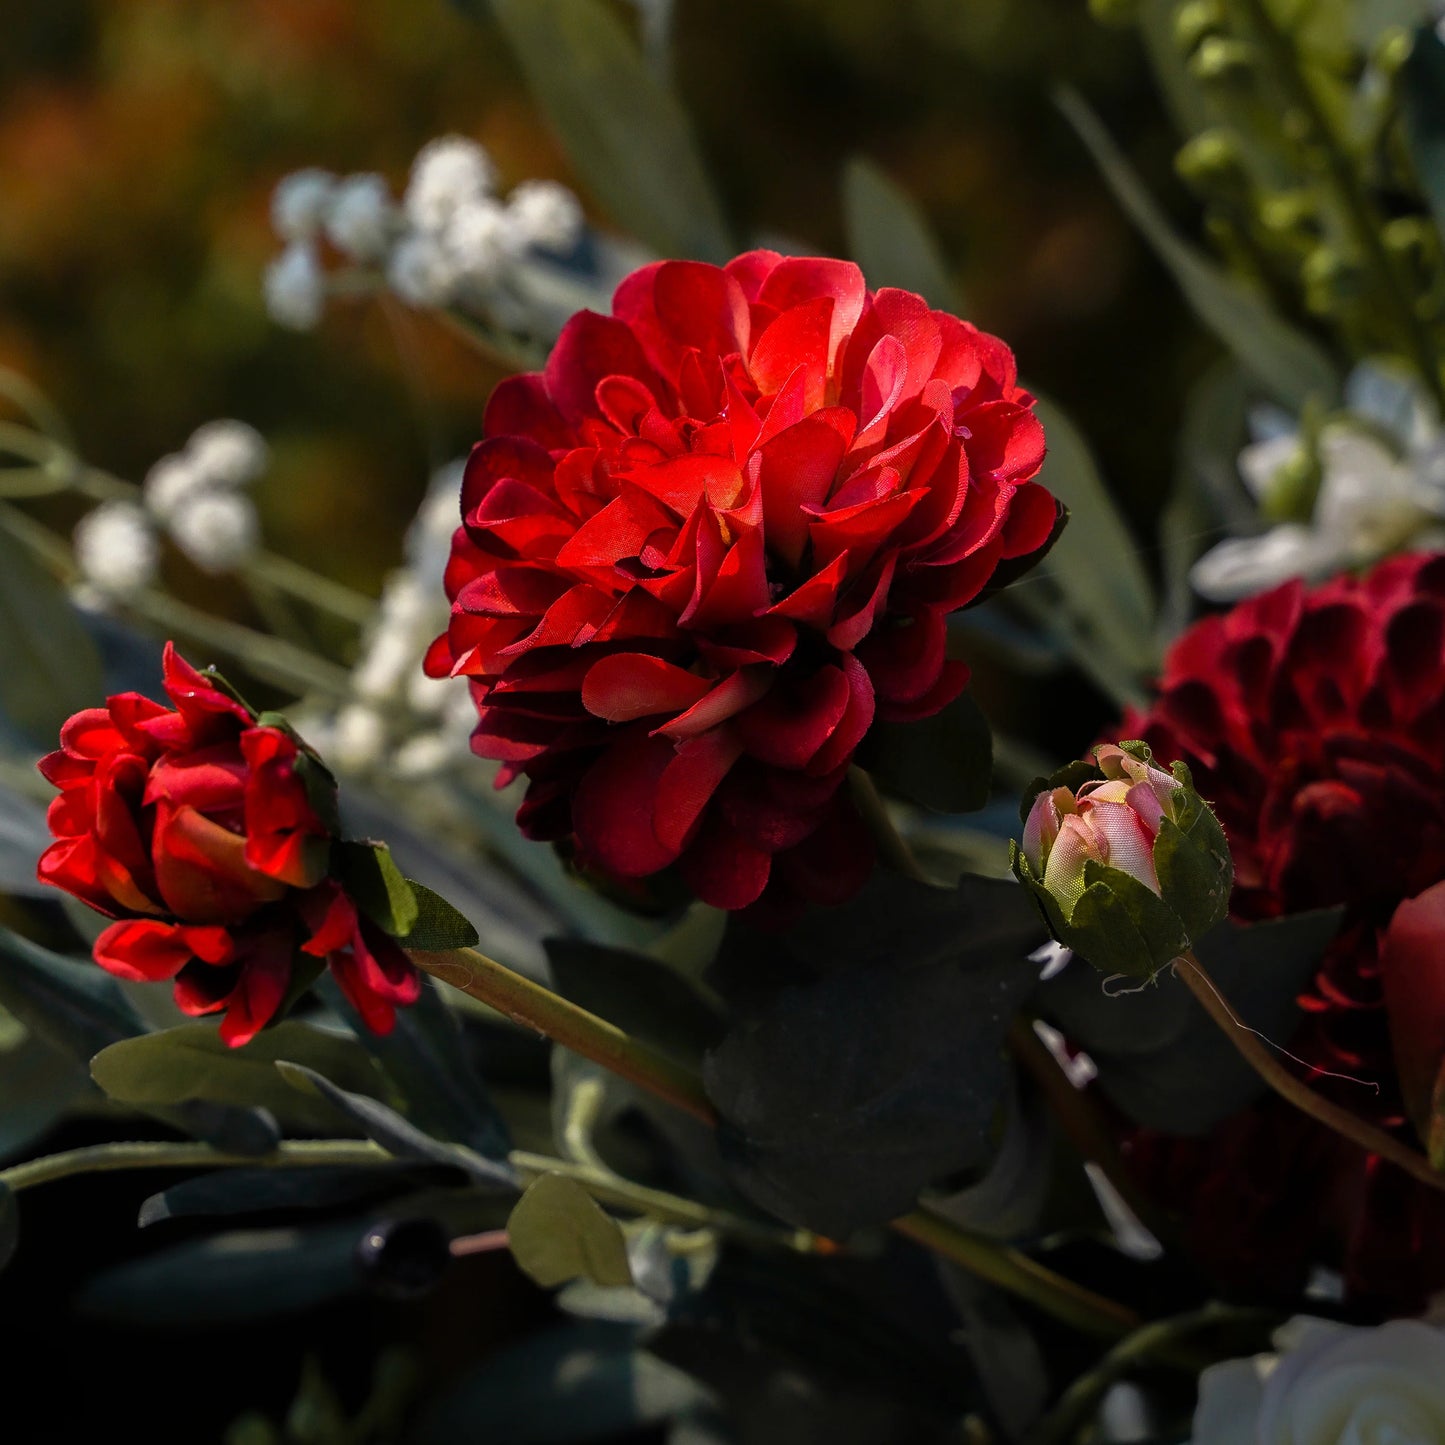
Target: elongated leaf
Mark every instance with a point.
(376, 883)
(386, 1127)
(49, 667)
(192, 1063)
(628, 136)
(1423, 86)
(23, 837)
(1283, 361)
(889, 237)
(425, 1056)
(558, 1232)
(1095, 562)
(38, 1086)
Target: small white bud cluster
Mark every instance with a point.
(196, 494)
(419, 726)
(451, 239)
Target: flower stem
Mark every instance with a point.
(534, 1007)
(1307, 1100)
(100, 1158)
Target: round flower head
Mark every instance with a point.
(1130, 867)
(217, 530)
(447, 173)
(300, 202)
(362, 220)
(295, 287)
(228, 453)
(712, 541)
(116, 550)
(209, 835)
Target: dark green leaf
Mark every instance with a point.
(558, 1232)
(643, 997)
(439, 926)
(425, 1056)
(386, 1127)
(227, 1192)
(49, 667)
(563, 1387)
(1283, 361)
(889, 237)
(243, 1275)
(23, 837)
(192, 1063)
(1160, 1057)
(1423, 93)
(943, 762)
(867, 1058)
(9, 1224)
(371, 877)
(627, 135)
(39, 1085)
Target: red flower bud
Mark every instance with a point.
(204, 833)
(715, 538)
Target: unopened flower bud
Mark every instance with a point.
(1222, 61)
(1127, 863)
(1212, 163)
(1290, 215)
(1195, 22)
(1331, 281)
(1391, 50)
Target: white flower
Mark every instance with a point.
(362, 219)
(228, 453)
(295, 287)
(169, 482)
(359, 740)
(546, 214)
(446, 173)
(421, 271)
(424, 756)
(429, 538)
(482, 239)
(1330, 1384)
(389, 658)
(116, 550)
(1242, 566)
(431, 696)
(217, 530)
(299, 204)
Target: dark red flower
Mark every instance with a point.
(1314, 722)
(715, 538)
(201, 831)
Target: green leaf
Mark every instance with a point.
(9, 1224)
(49, 666)
(1285, 363)
(625, 132)
(943, 762)
(558, 1232)
(1095, 562)
(1423, 97)
(39, 1085)
(439, 926)
(426, 1057)
(384, 1126)
(192, 1063)
(889, 237)
(1161, 1058)
(370, 875)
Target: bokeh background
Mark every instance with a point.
(139, 143)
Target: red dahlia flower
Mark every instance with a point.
(1314, 722)
(207, 835)
(714, 539)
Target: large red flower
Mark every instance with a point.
(195, 828)
(1314, 722)
(714, 539)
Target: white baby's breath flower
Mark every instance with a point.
(295, 287)
(116, 550)
(217, 530)
(546, 214)
(422, 271)
(431, 696)
(482, 239)
(169, 482)
(429, 538)
(447, 173)
(423, 756)
(359, 740)
(228, 453)
(299, 204)
(387, 663)
(362, 220)
(1329, 1384)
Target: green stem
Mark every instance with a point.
(1354, 201)
(1254, 1052)
(100, 1158)
(1159, 1341)
(323, 593)
(534, 1007)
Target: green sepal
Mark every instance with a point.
(369, 874)
(1045, 901)
(1122, 926)
(1195, 871)
(439, 926)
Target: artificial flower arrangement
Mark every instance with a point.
(893, 1095)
